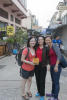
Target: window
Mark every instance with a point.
(3, 24)
(11, 24)
(17, 21)
(12, 18)
(3, 13)
(16, 28)
(3, 29)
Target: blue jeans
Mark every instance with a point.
(55, 76)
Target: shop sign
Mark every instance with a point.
(10, 30)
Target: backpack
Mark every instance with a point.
(19, 56)
(63, 61)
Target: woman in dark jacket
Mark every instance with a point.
(41, 69)
(55, 67)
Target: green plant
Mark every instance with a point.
(21, 36)
(10, 40)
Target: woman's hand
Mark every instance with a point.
(56, 68)
(35, 63)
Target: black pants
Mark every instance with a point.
(40, 74)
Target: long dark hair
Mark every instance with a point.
(43, 39)
(28, 42)
(49, 37)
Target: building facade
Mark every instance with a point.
(11, 13)
(60, 23)
(31, 24)
(60, 17)
(30, 21)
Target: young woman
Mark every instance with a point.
(28, 67)
(41, 69)
(55, 67)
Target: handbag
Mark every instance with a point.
(63, 62)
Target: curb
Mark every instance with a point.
(2, 56)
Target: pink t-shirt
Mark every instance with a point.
(25, 66)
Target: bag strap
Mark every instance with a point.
(45, 55)
(27, 56)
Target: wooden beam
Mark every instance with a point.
(23, 17)
(19, 14)
(13, 11)
(7, 4)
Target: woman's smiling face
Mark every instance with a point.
(32, 42)
(48, 40)
(40, 41)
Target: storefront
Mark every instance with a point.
(3, 48)
(3, 26)
(11, 14)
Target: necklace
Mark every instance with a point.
(32, 51)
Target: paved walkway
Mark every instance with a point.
(11, 82)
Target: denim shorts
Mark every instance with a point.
(26, 74)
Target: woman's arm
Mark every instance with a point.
(25, 61)
(58, 54)
(56, 66)
(57, 51)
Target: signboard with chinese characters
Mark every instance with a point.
(10, 30)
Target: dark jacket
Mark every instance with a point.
(45, 56)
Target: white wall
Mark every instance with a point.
(27, 22)
(64, 37)
(64, 13)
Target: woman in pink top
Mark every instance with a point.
(28, 67)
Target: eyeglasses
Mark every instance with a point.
(32, 41)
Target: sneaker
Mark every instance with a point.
(41, 97)
(56, 99)
(37, 94)
(51, 98)
(25, 97)
(49, 95)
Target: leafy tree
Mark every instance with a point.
(10, 40)
(21, 36)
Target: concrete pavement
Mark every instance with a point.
(11, 82)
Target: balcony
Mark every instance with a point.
(23, 3)
(21, 7)
(15, 7)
